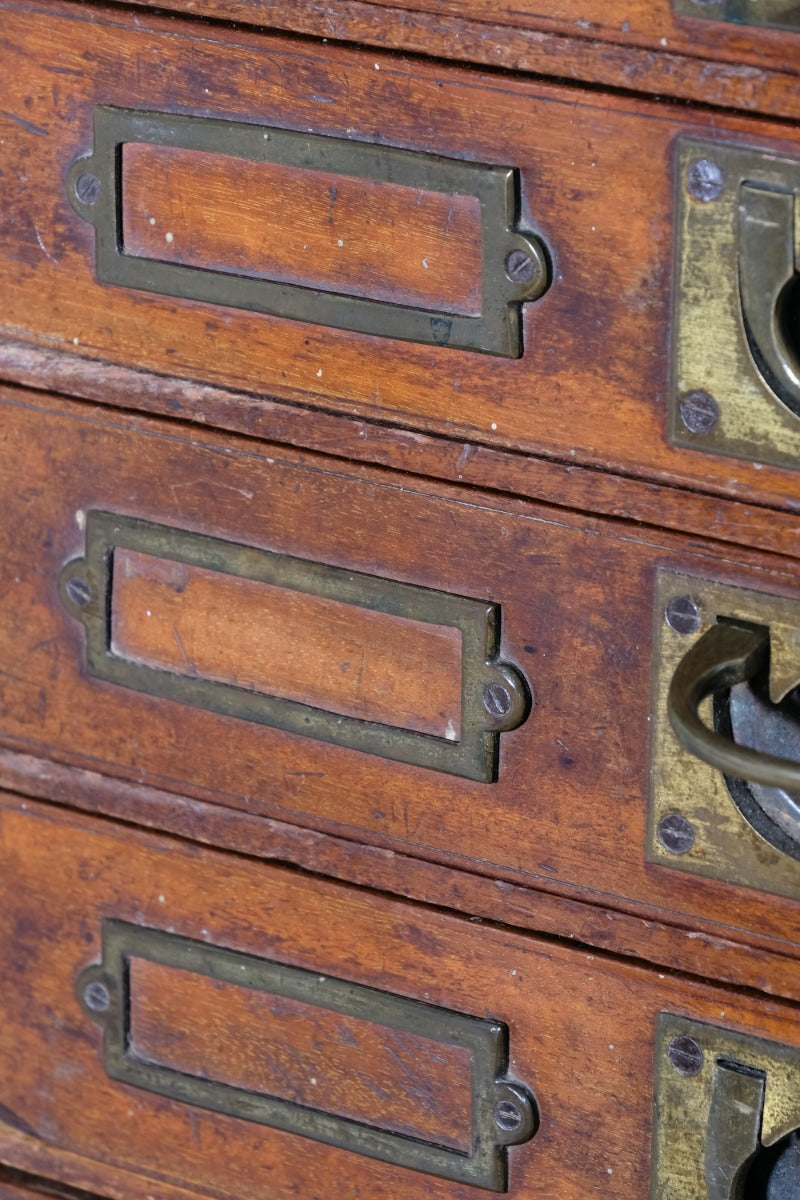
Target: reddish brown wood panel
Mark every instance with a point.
(340, 657)
(320, 229)
(576, 598)
(274, 1046)
(573, 39)
(596, 181)
(580, 1027)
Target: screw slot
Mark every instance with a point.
(507, 1116)
(683, 614)
(685, 1055)
(675, 833)
(497, 700)
(704, 180)
(87, 188)
(78, 590)
(96, 996)
(699, 411)
(521, 267)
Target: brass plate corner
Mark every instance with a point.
(729, 1095)
(768, 14)
(723, 397)
(717, 842)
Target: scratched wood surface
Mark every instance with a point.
(581, 1028)
(624, 24)
(591, 385)
(576, 597)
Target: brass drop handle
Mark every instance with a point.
(729, 653)
(769, 284)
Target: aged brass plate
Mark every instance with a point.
(95, 192)
(735, 372)
(724, 845)
(773, 14)
(494, 695)
(729, 1095)
(499, 1112)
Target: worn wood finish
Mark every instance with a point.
(345, 659)
(609, 44)
(396, 244)
(568, 913)
(751, 523)
(576, 598)
(572, 1018)
(591, 385)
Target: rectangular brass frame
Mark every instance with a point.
(498, 328)
(770, 14)
(473, 756)
(486, 1040)
(683, 1103)
(725, 847)
(753, 423)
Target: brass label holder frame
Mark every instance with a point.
(496, 330)
(503, 1112)
(719, 1097)
(724, 845)
(767, 14)
(737, 217)
(85, 589)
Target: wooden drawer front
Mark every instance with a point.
(72, 1087)
(174, 192)
(187, 661)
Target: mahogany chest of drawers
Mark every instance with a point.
(399, 654)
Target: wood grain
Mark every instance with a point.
(591, 385)
(571, 1018)
(608, 44)
(349, 660)
(576, 596)
(315, 229)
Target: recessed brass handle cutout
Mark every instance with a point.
(729, 653)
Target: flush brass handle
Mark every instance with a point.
(728, 654)
(769, 285)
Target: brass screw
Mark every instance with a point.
(87, 188)
(685, 1055)
(507, 1116)
(683, 614)
(497, 700)
(675, 833)
(79, 591)
(96, 996)
(699, 411)
(704, 180)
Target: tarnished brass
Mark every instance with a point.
(85, 589)
(736, 335)
(710, 1125)
(496, 330)
(104, 991)
(740, 833)
(774, 14)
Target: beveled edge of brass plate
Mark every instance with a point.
(769, 14)
(85, 590)
(103, 991)
(709, 354)
(496, 330)
(682, 1114)
(725, 845)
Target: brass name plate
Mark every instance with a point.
(491, 696)
(771, 14)
(496, 1112)
(511, 266)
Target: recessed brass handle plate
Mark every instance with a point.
(771, 14)
(699, 819)
(735, 369)
(494, 694)
(721, 1099)
(514, 263)
(498, 1112)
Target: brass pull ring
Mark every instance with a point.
(729, 653)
